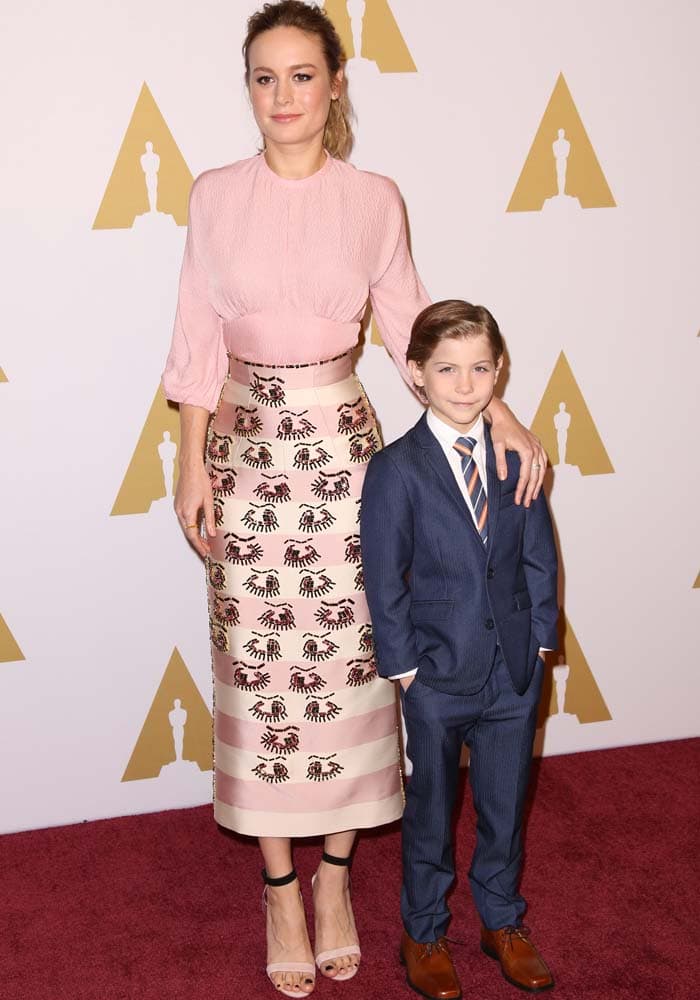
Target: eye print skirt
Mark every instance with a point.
(305, 732)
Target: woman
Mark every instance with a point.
(282, 252)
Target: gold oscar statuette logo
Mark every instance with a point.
(561, 172)
(9, 650)
(151, 478)
(176, 737)
(3, 376)
(370, 34)
(150, 183)
(696, 585)
(565, 427)
(570, 693)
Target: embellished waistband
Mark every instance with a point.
(324, 372)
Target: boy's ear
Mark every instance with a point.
(499, 365)
(416, 371)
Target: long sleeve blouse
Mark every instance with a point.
(278, 271)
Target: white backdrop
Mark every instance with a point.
(93, 604)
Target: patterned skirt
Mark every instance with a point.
(305, 732)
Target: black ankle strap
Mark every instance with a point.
(330, 859)
(283, 880)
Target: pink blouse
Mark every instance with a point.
(278, 271)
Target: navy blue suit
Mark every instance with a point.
(471, 618)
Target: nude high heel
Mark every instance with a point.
(353, 949)
(273, 967)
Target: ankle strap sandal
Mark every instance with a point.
(306, 968)
(325, 959)
(282, 880)
(331, 859)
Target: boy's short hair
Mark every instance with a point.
(451, 319)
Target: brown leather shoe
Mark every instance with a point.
(429, 969)
(521, 963)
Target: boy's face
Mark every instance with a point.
(458, 379)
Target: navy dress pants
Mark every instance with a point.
(498, 726)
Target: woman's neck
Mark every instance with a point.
(295, 162)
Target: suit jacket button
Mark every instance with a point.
(489, 623)
(490, 573)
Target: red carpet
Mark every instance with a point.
(167, 907)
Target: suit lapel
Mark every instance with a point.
(438, 461)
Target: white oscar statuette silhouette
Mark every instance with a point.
(360, 67)
(562, 422)
(561, 147)
(561, 720)
(356, 13)
(150, 165)
(177, 717)
(167, 450)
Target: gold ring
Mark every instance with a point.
(188, 526)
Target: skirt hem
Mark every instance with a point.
(284, 824)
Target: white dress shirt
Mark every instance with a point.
(447, 436)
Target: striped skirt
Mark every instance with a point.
(305, 732)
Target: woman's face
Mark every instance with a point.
(290, 87)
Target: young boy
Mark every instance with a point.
(462, 590)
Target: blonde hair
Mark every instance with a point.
(337, 136)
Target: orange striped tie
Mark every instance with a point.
(475, 488)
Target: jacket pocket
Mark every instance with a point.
(422, 611)
(522, 601)
(507, 500)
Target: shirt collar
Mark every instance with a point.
(447, 435)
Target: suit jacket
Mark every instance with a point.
(440, 600)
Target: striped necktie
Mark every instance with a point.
(475, 488)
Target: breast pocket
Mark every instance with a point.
(423, 611)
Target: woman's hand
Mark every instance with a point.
(507, 433)
(193, 497)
